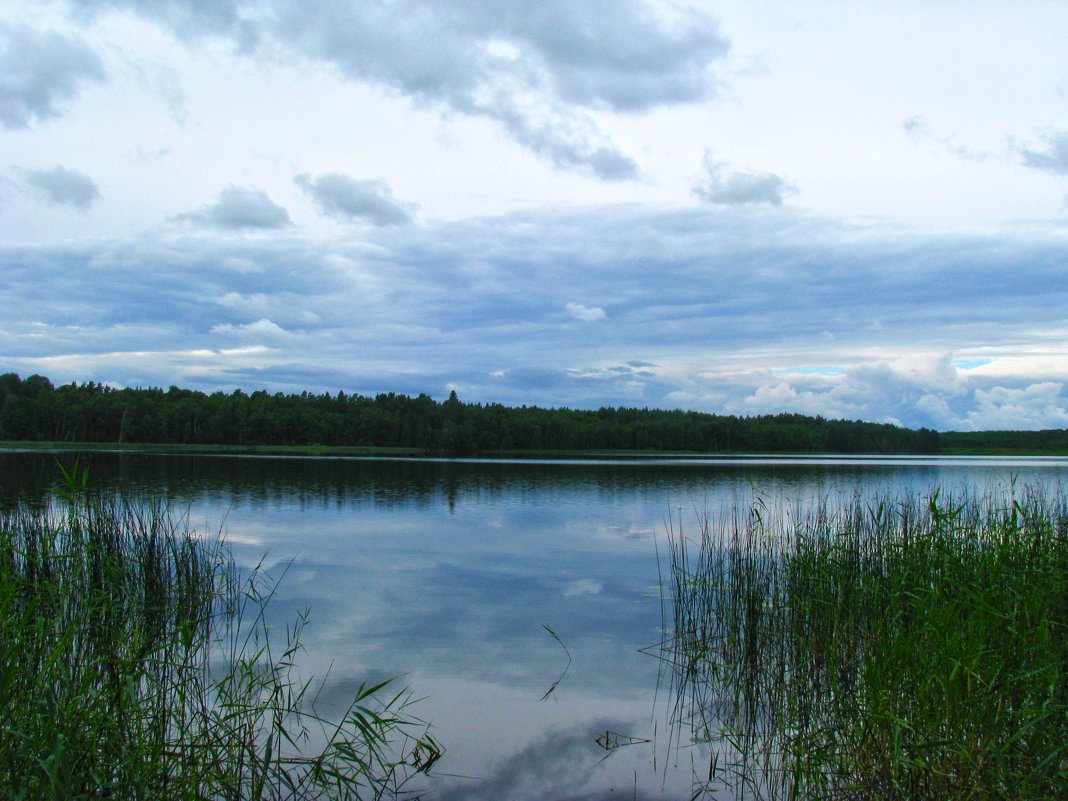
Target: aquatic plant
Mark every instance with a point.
(137, 663)
(909, 648)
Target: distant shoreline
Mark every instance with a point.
(374, 451)
(176, 420)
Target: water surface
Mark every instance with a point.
(448, 573)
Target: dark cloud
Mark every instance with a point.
(570, 140)
(241, 207)
(39, 70)
(533, 69)
(739, 188)
(694, 297)
(1054, 158)
(190, 19)
(349, 198)
(624, 55)
(61, 186)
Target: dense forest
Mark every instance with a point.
(1047, 441)
(32, 409)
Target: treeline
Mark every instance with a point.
(32, 409)
(1047, 441)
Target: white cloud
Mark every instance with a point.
(583, 587)
(254, 303)
(1034, 406)
(586, 314)
(914, 391)
(261, 329)
(769, 399)
(1014, 364)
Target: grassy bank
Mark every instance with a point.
(135, 663)
(892, 649)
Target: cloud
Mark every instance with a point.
(1032, 406)
(558, 765)
(586, 313)
(1053, 159)
(740, 188)
(535, 70)
(40, 70)
(60, 186)
(240, 207)
(717, 309)
(531, 69)
(570, 141)
(919, 129)
(583, 587)
(261, 329)
(914, 390)
(190, 19)
(917, 390)
(165, 82)
(916, 125)
(622, 55)
(349, 198)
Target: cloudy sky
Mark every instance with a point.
(856, 209)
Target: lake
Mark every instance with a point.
(487, 583)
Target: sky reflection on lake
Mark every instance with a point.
(448, 573)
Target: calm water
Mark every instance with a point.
(447, 572)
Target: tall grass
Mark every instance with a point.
(893, 648)
(135, 663)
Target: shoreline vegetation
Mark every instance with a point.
(33, 410)
(898, 648)
(135, 662)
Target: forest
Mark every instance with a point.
(34, 410)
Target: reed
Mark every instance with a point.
(909, 648)
(136, 663)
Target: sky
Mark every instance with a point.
(854, 209)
